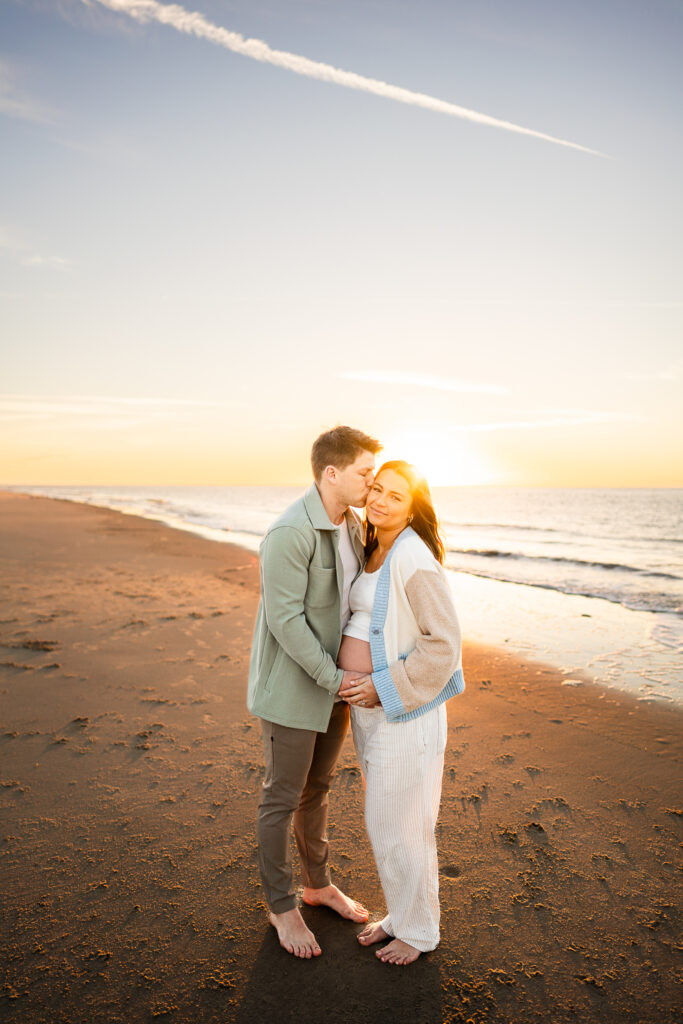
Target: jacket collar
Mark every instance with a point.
(356, 533)
(316, 510)
(320, 519)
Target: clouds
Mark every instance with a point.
(195, 24)
(542, 419)
(548, 418)
(669, 373)
(102, 411)
(15, 103)
(52, 262)
(424, 381)
(20, 251)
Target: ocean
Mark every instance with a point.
(587, 579)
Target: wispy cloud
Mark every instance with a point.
(546, 419)
(423, 381)
(15, 103)
(102, 410)
(19, 250)
(52, 262)
(195, 24)
(671, 373)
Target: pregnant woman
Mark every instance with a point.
(404, 636)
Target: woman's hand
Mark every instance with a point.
(361, 692)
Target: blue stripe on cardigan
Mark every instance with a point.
(381, 676)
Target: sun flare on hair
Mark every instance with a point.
(445, 461)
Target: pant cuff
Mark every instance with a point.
(318, 883)
(283, 904)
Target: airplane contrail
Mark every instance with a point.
(195, 24)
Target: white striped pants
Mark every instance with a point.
(403, 767)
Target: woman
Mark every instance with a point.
(404, 635)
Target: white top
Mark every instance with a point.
(350, 564)
(361, 600)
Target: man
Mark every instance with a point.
(309, 559)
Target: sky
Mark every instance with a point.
(212, 250)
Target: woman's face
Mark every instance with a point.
(389, 503)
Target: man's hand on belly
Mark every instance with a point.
(361, 691)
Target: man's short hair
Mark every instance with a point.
(339, 448)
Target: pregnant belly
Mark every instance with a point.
(354, 655)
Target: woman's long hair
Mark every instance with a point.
(424, 521)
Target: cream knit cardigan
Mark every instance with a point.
(414, 632)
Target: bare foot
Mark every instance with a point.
(372, 933)
(293, 934)
(398, 952)
(330, 896)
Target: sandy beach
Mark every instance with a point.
(130, 777)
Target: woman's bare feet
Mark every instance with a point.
(293, 934)
(371, 934)
(398, 952)
(330, 896)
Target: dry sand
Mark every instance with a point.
(130, 778)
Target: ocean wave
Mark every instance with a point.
(505, 526)
(637, 603)
(558, 559)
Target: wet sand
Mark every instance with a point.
(129, 779)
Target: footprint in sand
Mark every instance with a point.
(450, 871)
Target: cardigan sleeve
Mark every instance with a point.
(418, 678)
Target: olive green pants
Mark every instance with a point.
(300, 767)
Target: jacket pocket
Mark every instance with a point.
(274, 669)
(321, 591)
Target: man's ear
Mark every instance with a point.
(330, 473)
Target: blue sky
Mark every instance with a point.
(202, 254)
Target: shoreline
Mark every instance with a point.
(616, 651)
(130, 778)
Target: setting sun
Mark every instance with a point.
(445, 460)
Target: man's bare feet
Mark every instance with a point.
(371, 934)
(330, 896)
(398, 952)
(293, 934)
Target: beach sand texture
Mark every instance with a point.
(130, 778)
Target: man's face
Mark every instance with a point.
(355, 481)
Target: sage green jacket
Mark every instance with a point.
(293, 675)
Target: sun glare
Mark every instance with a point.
(445, 460)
